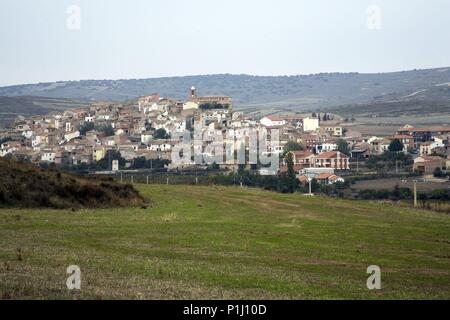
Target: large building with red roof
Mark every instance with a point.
(331, 159)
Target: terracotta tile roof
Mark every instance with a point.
(324, 176)
(332, 155)
(334, 178)
(424, 129)
(303, 179)
(302, 154)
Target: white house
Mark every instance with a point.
(160, 145)
(440, 140)
(36, 141)
(109, 141)
(27, 133)
(71, 135)
(325, 147)
(379, 145)
(104, 117)
(272, 121)
(329, 178)
(48, 155)
(310, 124)
(426, 147)
(190, 105)
(335, 131)
(146, 137)
(9, 147)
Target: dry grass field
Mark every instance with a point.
(391, 183)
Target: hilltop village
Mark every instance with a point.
(150, 127)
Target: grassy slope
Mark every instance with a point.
(27, 186)
(218, 242)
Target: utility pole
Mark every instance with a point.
(121, 177)
(132, 180)
(310, 176)
(414, 191)
(147, 179)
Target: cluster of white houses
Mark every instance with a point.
(84, 135)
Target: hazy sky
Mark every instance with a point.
(149, 38)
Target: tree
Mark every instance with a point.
(292, 146)
(87, 126)
(143, 163)
(388, 160)
(396, 146)
(214, 166)
(5, 139)
(325, 117)
(107, 130)
(343, 147)
(161, 134)
(291, 176)
(105, 163)
(438, 173)
(213, 105)
(139, 163)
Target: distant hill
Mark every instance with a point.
(12, 107)
(292, 92)
(24, 185)
(429, 100)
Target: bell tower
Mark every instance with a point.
(193, 92)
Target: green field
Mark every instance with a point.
(226, 243)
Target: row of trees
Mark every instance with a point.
(213, 105)
(389, 160)
(439, 173)
(105, 163)
(107, 130)
(403, 194)
(325, 117)
(342, 146)
(161, 134)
